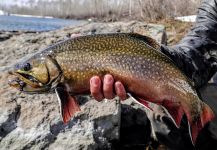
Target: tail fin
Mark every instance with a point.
(206, 116)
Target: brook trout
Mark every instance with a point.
(133, 59)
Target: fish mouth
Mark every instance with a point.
(27, 83)
(17, 83)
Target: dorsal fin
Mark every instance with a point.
(148, 40)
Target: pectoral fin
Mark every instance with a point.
(67, 103)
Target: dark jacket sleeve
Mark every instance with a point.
(196, 53)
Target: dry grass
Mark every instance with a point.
(165, 9)
(155, 11)
(109, 10)
(175, 30)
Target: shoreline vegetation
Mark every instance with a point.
(105, 10)
(151, 11)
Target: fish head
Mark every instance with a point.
(35, 75)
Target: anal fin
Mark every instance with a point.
(174, 111)
(67, 103)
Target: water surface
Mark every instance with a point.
(19, 23)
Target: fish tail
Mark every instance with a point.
(206, 116)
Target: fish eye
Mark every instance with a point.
(27, 67)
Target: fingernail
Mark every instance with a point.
(94, 81)
(109, 79)
(118, 84)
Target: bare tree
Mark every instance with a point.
(106, 9)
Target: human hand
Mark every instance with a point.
(106, 88)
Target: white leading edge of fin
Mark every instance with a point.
(149, 111)
(153, 109)
(189, 130)
(60, 104)
(138, 102)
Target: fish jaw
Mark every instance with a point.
(27, 86)
(16, 83)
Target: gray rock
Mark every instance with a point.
(33, 121)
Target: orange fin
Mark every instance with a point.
(174, 110)
(207, 114)
(68, 104)
(195, 127)
(145, 103)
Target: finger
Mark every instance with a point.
(108, 83)
(95, 88)
(120, 90)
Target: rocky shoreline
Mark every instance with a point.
(33, 121)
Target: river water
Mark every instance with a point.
(19, 23)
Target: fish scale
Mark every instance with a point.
(133, 59)
(118, 45)
(119, 49)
